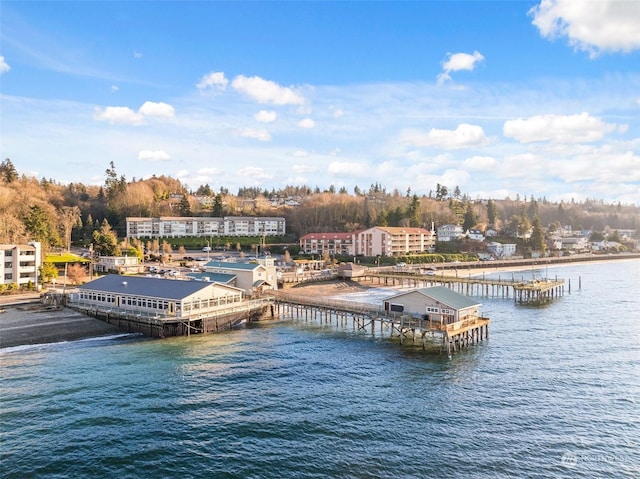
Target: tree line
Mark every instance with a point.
(59, 215)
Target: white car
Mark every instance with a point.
(206, 249)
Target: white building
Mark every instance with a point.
(438, 303)
(501, 250)
(450, 232)
(19, 264)
(475, 235)
(202, 226)
(118, 264)
(154, 297)
(250, 277)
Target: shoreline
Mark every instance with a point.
(32, 323)
(24, 320)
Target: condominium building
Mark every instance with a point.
(393, 241)
(332, 243)
(179, 226)
(19, 263)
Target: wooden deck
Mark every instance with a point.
(378, 321)
(534, 291)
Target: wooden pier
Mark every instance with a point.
(373, 319)
(530, 292)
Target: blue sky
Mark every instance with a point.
(498, 98)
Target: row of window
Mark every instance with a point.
(155, 304)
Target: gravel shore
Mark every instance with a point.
(33, 323)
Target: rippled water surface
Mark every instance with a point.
(554, 392)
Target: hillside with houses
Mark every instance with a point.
(366, 221)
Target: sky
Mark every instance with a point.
(500, 99)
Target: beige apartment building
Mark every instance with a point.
(19, 264)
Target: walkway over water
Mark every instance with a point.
(533, 291)
(376, 320)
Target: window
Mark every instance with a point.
(431, 309)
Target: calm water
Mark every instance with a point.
(555, 392)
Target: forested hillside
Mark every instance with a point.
(57, 214)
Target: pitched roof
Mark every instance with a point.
(143, 286)
(443, 295)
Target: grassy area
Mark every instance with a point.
(63, 258)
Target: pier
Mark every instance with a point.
(374, 320)
(536, 291)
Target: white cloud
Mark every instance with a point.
(158, 155)
(261, 135)
(463, 136)
(337, 112)
(157, 109)
(137, 54)
(119, 114)
(591, 26)
(265, 116)
(300, 154)
(125, 115)
(558, 128)
(115, 88)
(457, 62)
(215, 80)
(306, 123)
(254, 172)
(265, 91)
(4, 66)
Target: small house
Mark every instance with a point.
(437, 303)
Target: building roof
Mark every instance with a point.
(144, 286)
(222, 278)
(443, 295)
(400, 230)
(232, 265)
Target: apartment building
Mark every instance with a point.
(20, 263)
(393, 241)
(177, 226)
(332, 243)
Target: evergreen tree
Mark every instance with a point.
(8, 172)
(492, 213)
(184, 207)
(105, 241)
(41, 227)
(470, 219)
(537, 236)
(216, 210)
(413, 212)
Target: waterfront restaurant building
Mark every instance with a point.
(204, 226)
(19, 263)
(154, 297)
(437, 303)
